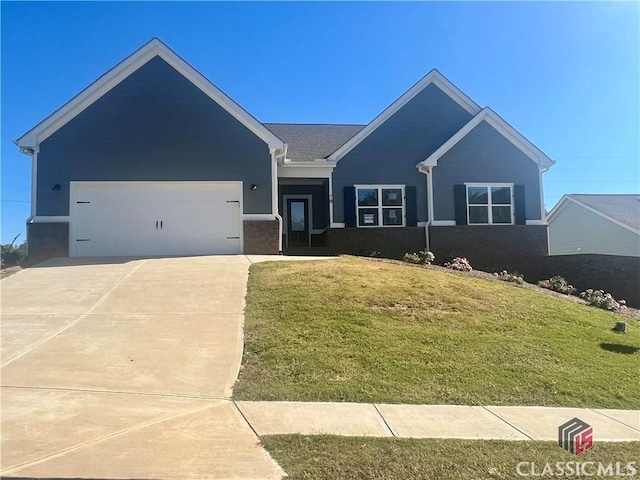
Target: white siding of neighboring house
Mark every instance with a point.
(576, 230)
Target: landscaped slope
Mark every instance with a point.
(369, 331)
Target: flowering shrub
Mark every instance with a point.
(459, 263)
(558, 284)
(510, 277)
(423, 257)
(600, 299)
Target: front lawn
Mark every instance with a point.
(330, 458)
(360, 330)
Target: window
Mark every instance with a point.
(380, 206)
(490, 204)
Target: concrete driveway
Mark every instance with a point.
(122, 368)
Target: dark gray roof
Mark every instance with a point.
(623, 208)
(308, 142)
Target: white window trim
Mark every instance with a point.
(489, 204)
(380, 207)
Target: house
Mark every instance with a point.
(597, 224)
(153, 159)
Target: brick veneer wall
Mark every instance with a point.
(618, 275)
(390, 242)
(261, 237)
(487, 247)
(523, 249)
(47, 240)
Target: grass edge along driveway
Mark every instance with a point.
(357, 330)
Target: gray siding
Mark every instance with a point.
(155, 126)
(576, 230)
(484, 155)
(389, 155)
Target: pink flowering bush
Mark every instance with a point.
(459, 263)
(601, 299)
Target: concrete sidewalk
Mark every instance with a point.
(434, 421)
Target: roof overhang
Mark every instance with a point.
(433, 77)
(506, 130)
(113, 77)
(319, 168)
(567, 199)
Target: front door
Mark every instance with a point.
(298, 222)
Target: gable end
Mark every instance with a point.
(433, 77)
(154, 48)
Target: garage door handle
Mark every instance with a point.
(233, 201)
(160, 224)
(83, 202)
(82, 240)
(233, 238)
(156, 224)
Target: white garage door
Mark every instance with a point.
(155, 218)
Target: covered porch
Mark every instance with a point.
(303, 204)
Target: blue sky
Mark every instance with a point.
(566, 75)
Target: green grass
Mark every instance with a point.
(367, 331)
(349, 458)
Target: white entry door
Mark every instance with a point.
(155, 218)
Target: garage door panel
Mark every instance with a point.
(161, 218)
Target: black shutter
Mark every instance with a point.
(521, 212)
(411, 207)
(460, 202)
(350, 207)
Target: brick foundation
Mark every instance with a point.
(47, 240)
(389, 242)
(618, 275)
(489, 248)
(261, 237)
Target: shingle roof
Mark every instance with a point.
(308, 142)
(623, 208)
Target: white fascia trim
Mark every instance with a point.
(568, 198)
(113, 77)
(434, 77)
(422, 224)
(562, 203)
(536, 222)
(338, 225)
(50, 219)
(301, 170)
(443, 223)
(506, 130)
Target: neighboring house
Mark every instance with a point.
(602, 224)
(153, 159)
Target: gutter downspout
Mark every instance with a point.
(275, 192)
(33, 153)
(429, 179)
